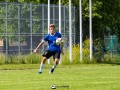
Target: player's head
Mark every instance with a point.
(52, 29)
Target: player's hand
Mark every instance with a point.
(35, 51)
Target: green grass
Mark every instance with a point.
(77, 77)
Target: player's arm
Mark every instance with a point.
(39, 45)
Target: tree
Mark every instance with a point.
(106, 14)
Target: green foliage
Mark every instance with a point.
(36, 58)
(2, 58)
(96, 5)
(106, 13)
(65, 57)
(86, 53)
(20, 59)
(76, 54)
(33, 58)
(24, 21)
(111, 58)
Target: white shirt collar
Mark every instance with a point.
(53, 34)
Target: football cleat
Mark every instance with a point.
(51, 71)
(39, 72)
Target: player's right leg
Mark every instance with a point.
(56, 58)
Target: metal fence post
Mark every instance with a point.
(43, 23)
(53, 14)
(18, 28)
(6, 50)
(31, 28)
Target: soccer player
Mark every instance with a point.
(53, 49)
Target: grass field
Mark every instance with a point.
(70, 77)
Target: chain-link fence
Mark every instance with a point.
(22, 26)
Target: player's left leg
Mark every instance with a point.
(54, 65)
(56, 61)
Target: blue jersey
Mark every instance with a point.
(51, 39)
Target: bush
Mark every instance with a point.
(2, 59)
(76, 54)
(65, 58)
(111, 58)
(17, 59)
(20, 59)
(33, 58)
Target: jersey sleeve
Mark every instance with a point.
(60, 35)
(46, 38)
